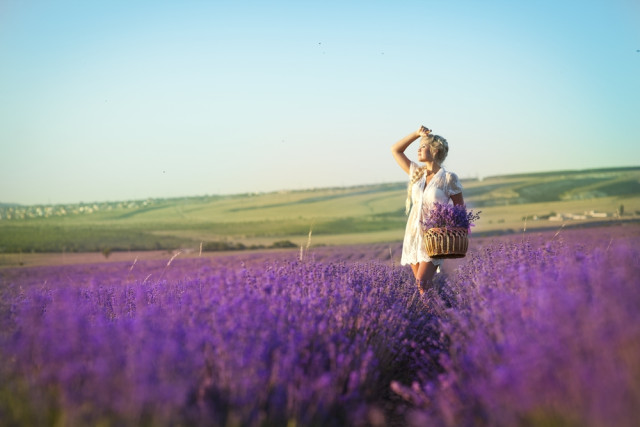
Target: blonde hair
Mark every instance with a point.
(439, 148)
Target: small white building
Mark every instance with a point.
(594, 214)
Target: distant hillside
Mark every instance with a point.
(567, 172)
(359, 214)
(553, 187)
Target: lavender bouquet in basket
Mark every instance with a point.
(446, 228)
(444, 215)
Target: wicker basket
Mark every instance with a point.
(446, 242)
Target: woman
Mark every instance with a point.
(428, 184)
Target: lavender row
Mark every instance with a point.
(317, 344)
(536, 330)
(546, 335)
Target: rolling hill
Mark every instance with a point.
(360, 214)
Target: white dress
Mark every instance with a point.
(441, 187)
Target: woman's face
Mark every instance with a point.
(424, 153)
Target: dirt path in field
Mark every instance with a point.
(52, 259)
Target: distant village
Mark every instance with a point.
(46, 211)
(586, 215)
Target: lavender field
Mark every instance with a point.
(533, 329)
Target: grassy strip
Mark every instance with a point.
(39, 237)
(82, 239)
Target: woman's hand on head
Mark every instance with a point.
(424, 131)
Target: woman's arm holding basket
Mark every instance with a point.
(457, 199)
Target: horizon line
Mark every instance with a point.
(476, 178)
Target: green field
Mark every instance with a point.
(362, 214)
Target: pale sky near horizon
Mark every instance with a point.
(119, 100)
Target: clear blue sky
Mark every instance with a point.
(118, 100)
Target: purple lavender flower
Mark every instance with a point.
(522, 332)
(444, 215)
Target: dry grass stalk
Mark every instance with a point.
(558, 232)
(173, 257)
(304, 250)
(134, 263)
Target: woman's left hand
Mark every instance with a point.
(424, 131)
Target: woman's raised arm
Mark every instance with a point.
(399, 147)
